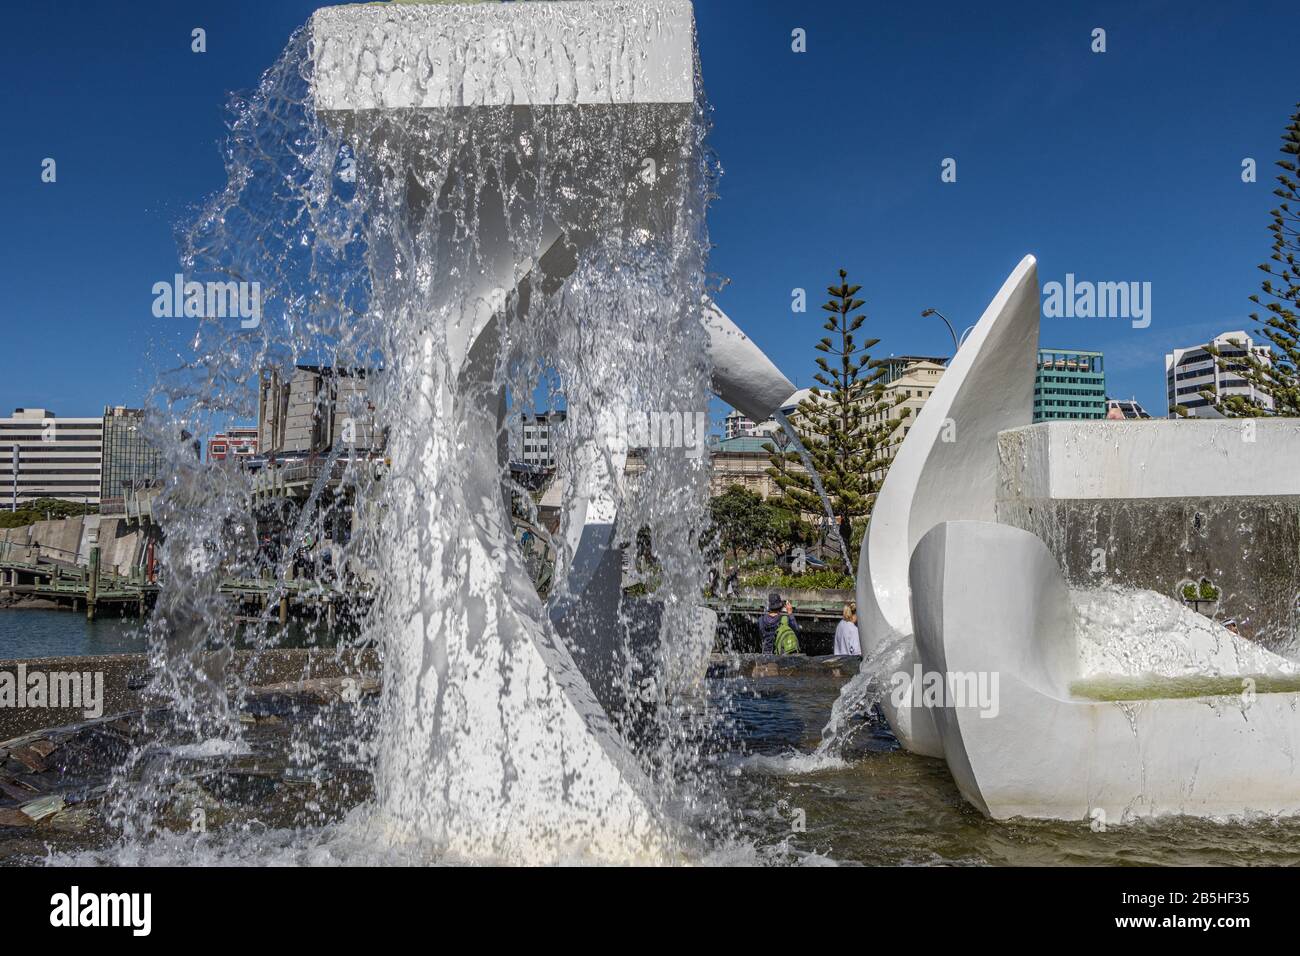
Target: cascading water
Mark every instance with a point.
(858, 698)
(474, 266)
(817, 484)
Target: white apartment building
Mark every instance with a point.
(44, 456)
(910, 380)
(1190, 371)
(736, 425)
(912, 387)
(530, 438)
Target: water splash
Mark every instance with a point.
(378, 244)
(859, 697)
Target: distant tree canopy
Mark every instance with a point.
(30, 512)
(745, 524)
(1281, 301)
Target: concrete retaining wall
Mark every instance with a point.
(67, 540)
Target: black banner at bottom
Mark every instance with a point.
(337, 906)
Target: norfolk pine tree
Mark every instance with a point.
(1281, 291)
(844, 423)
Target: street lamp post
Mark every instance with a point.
(955, 344)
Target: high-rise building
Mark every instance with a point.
(1193, 370)
(531, 438)
(44, 456)
(1070, 384)
(130, 460)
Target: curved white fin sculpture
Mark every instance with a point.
(947, 468)
(992, 611)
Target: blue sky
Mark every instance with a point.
(1122, 166)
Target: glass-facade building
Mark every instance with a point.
(129, 459)
(1070, 384)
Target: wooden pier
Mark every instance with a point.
(96, 591)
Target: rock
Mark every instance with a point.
(29, 757)
(10, 817)
(73, 820)
(16, 789)
(43, 807)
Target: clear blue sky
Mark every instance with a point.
(1116, 166)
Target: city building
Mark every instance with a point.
(1193, 370)
(898, 365)
(736, 425)
(909, 381)
(238, 443)
(44, 456)
(908, 390)
(742, 461)
(739, 461)
(317, 410)
(895, 367)
(530, 438)
(1122, 408)
(1070, 384)
(130, 460)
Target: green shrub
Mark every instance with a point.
(813, 580)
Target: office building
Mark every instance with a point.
(1192, 371)
(532, 438)
(910, 387)
(315, 411)
(130, 460)
(44, 456)
(1070, 384)
(238, 443)
(736, 425)
(898, 365)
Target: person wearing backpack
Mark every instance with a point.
(778, 628)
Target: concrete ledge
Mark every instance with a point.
(436, 56)
(127, 680)
(1150, 459)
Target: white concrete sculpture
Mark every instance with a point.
(573, 784)
(948, 469)
(997, 652)
(990, 599)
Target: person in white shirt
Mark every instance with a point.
(846, 632)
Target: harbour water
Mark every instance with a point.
(38, 632)
(34, 632)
